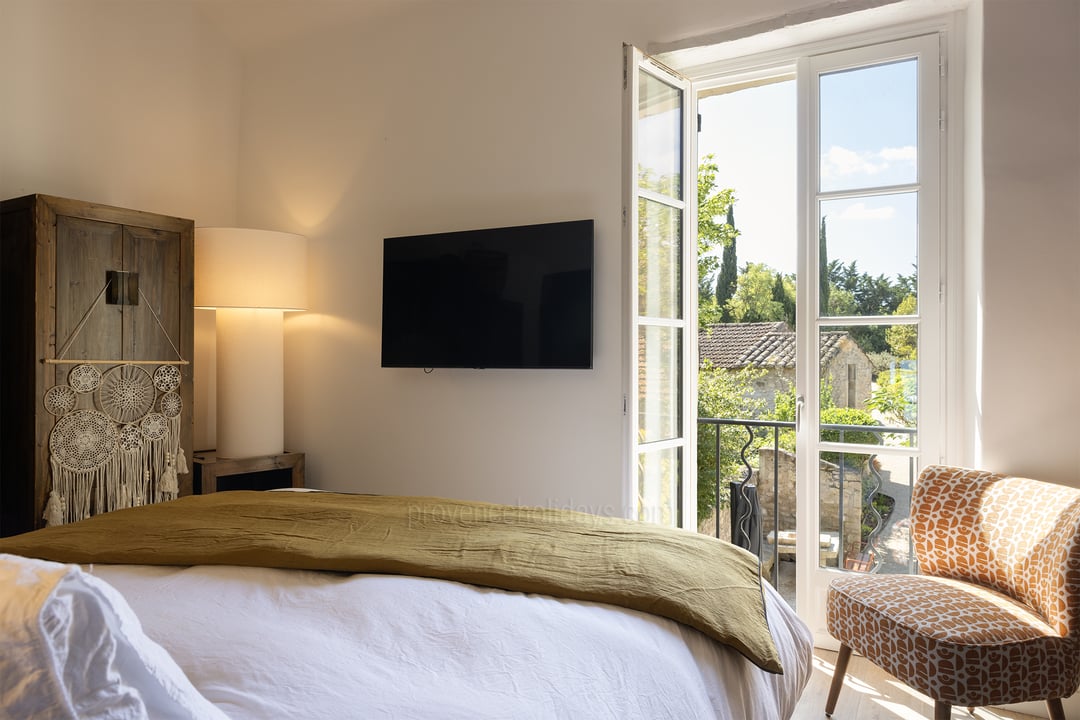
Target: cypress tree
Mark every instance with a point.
(780, 295)
(728, 276)
(823, 269)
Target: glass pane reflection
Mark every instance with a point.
(865, 503)
(658, 495)
(659, 260)
(659, 148)
(659, 383)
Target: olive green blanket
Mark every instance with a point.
(699, 581)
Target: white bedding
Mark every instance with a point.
(265, 644)
(72, 649)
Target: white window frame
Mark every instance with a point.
(635, 62)
(950, 253)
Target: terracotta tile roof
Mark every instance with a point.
(736, 345)
(726, 344)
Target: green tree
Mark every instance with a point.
(903, 340)
(842, 302)
(753, 299)
(783, 292)
(713, 233)
(823, 266)
(722, 394)
(894, 397)
(727, 278)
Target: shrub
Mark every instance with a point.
(848, 416)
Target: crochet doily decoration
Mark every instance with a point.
(126, 393)
(83, 440)
(60, 399)
(130, 438)
(84, 378)
(167, 378)
(171, 405)
(154, 426)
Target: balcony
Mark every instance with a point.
(749, 479)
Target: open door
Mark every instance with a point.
(658, 218)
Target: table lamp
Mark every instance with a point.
(251, 278)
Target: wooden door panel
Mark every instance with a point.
(155, 256)
(90, 248)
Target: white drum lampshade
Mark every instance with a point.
(251, 277)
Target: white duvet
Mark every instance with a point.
(263, 644)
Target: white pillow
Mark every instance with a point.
(71, 647)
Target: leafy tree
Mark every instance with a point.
(903, 340)
(722, 394)
(844, 276)
(895, 394)
(753, 299)
(876, 295)
(712, 233)
(894, 397)
(842, 302)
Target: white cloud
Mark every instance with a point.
(908, 154)
(860, 211)
(839, 161)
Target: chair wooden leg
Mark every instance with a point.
(1057, 712)
(942, 710)
(837, 679)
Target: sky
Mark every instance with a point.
(868, 140)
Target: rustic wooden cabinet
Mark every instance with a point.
(109, 292)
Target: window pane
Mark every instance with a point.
(659, 383)
(869, 377)
(659, 146)
(865, 503)
(869, 127)
(869, 250)
(659, 260)
(658, 493)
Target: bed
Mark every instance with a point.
(292, 605)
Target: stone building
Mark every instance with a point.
(771, 346)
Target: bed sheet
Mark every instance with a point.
(265, 643)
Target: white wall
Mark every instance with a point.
(445, 118)
(1030, 387)
(122, 102)
(482, 114)
(486, 114)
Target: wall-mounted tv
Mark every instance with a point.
(513, 297)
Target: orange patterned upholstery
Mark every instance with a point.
(995, 616)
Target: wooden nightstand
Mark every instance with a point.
(266, 472)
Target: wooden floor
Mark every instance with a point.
(872, 694)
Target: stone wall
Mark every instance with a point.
(829, 497)
(849, 354)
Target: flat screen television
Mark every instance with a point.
(513, 297)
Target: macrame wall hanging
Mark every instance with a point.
(116, 442)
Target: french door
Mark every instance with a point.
(868, 167)
(872, 199)
(658, 217)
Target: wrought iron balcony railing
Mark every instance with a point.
(746, 529)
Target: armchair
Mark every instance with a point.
(994, 616)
